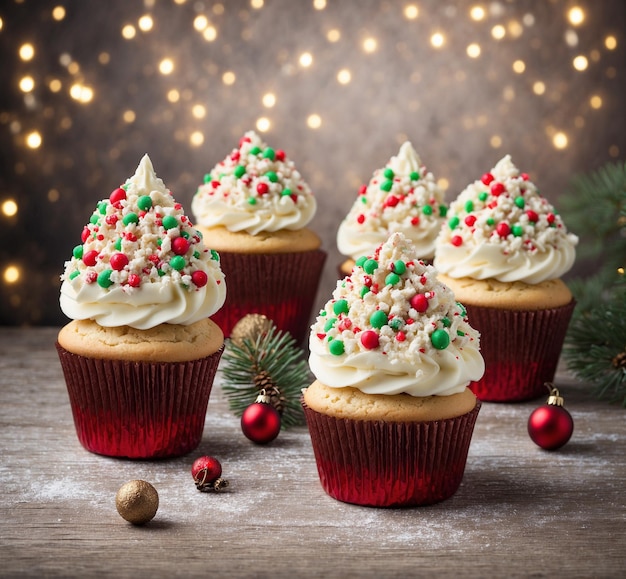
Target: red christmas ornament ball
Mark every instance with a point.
(260, 422)
(206, 469)
(550, 426)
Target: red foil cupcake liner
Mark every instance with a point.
(390, 464)
(138, 409)
(282, 286)
(521, 350)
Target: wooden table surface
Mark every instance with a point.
(520, 511)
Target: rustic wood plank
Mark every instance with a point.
(520, 511)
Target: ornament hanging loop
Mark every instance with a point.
(263, 397)
(555, 399)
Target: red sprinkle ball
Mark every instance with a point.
(456, 240)
(369, 339)
(497, 189)
(503, 229)
(419, 303)
(199, 278)
(118, 195)
(487, 178)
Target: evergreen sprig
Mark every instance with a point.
(596, 345)
(273, 353)
(595, 348)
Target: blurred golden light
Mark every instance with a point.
(595, 101)
(196, 139)
(580, 63)
(495, 141)
(437, 40)
(477, 13)
(314, 121)
(333, 35)
(269, 100)
(198, 111)
(515, 28)
(571, 38)
(473, 50)
(200, 22)
(344, 76)
(210, 33)
(498, 32)
(27, 51)
(73, 67)
(53, 195)
(11, 274)
(1, 23)
(33, 140)
(173, 95)
(229, 77)
(145, 23)
(443, 183)
(576, 16)
(256, 4)
(519, 66)
(128, 31)
(104, 58)
(166, 66)
(58, 12)
(81, 93)
(539, 87)
(129, 116)
(306, 59)
(27, 83)
(9, 208)
(559, 140)
(411, 11)
(610, 42)
(55, 85)
(370, 45)
(218, 8)
(319, 4)
(263, 124)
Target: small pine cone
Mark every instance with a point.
(620, 360)
(263, 380)
(277, 400)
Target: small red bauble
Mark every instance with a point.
(206, 472)
(180, 246)
(260, 422)
(550, 426)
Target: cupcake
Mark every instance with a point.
(403, 196)
(389, 414)
(140, 353)
(253, 207)
(503, 252)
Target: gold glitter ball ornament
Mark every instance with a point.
(250, 327)
(137, 501)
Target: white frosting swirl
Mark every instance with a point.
(422, 343)
(401, 197)
(500, 228)
(254, 189)
(141, 262)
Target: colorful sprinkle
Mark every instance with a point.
(170, 222)
(77, 252)
(341, 307)
(392, 279)
(414, 176)
(144, 202)
(177, 262)
(134, 280)
(419, 303)
(398, 267)
(454, 222)
(361, 261)
(517, 230)
(483, 195)
(272, 176)
(180, 246)
(427, 210)
(456, 240)
(443, 211)
(487, 178)
(503, 229)
(440, 339)
(255, 150)
(269, 153)
(336, 348)
(199, 278)
(519, 201)
(117, 196)
(89, 258)
(386, 185)
(497, 189)
(378, 319)
(118, 261)
(262, 188)
(369, 340)
(370, 266)
(130, 218)
(330, 324)
(104, 278)
(240, 171)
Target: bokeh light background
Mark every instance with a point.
(89, 86)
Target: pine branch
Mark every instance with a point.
(595, 348)
(275, 353)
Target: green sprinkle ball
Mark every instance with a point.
(414, 176)
(255, 150)
(240, 171)
(427, 210)
(388, 173)
(364, 291)
(330, 324)
(78, 252)
(361, 261)
(214, 255)
(469, 206)
(517, 230)
(206, 178)
(454, 222)
(392, 279)
(440, 339)
(386, 185)
(130, 218)
(104, 278)
(177, 262)
(370, 266)
(74, 274)
(251, 200)
(118, 244)
(483, 196)
(170, 222)
(341, 307)
(336, 347)
(269, 153)
(285, 192)
(519, 201)
(378, 319)
(396, 324)
(443, 211)
(399, 267)
(272, 176)
(144, 202)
